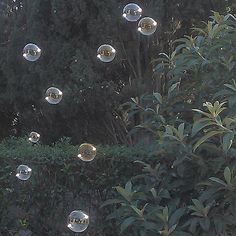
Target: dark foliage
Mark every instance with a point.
(60, 183)
(69, 33)
(192, 188)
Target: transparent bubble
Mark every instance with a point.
(34, 137)
(31, 52)
(132, 12)
(78, 221)
(106, 53)
(53, 95)
(23, 172)
(87, 152)
(147, 26)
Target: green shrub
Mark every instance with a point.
(60, 183)
(191, 187)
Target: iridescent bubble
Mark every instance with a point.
(34, 137)
(147, 26)
(23, 172)
(78, 221)
(106, 53)
(132, 12)
(53, 95)
(31, 52)
(87, 152)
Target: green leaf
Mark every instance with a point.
(143, 209)
(193, 208)
(200, 124)
(169, 130)
(210, 107)
(160, 216)
(164, 194)
(110, 202)
(124, 193)
(154, 193)
(203, 113)
(173, 87)
(230, 87)
(134, 100)
(172, 229)
(198, 204)
(126, 223)
(219, 181)
(166, 213)
(205, 138)
(197, 214)
(158, 97)
(175, 217)
(227, 175)
(139, 212)
(128, 187)
(228, 141)
(181, 131)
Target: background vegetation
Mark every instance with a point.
(69, 34)
(174, 173)
(191, 189)
(59, 184)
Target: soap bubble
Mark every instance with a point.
(78, 221)
(132, 12)
(147, 26)
(53, 95)
(106, 53)
(34, 137)
(23, 172)
(31, 52)
(87, 152)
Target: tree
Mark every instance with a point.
(69, 34)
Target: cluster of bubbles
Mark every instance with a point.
(31, 52)
(105, 53)
(146, 26)
(78, 220)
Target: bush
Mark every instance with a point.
(59, 184)
(191, 189)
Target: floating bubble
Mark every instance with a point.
(53, 95)
(78, 221)
(132, 12)
(87, 152)
(106, 53)
(34, 137)
(31, 52)
(147, 26)
(23, 172)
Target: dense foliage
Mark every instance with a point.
(69, 33)
(191, 189)
(60, 183)
(181, 106)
